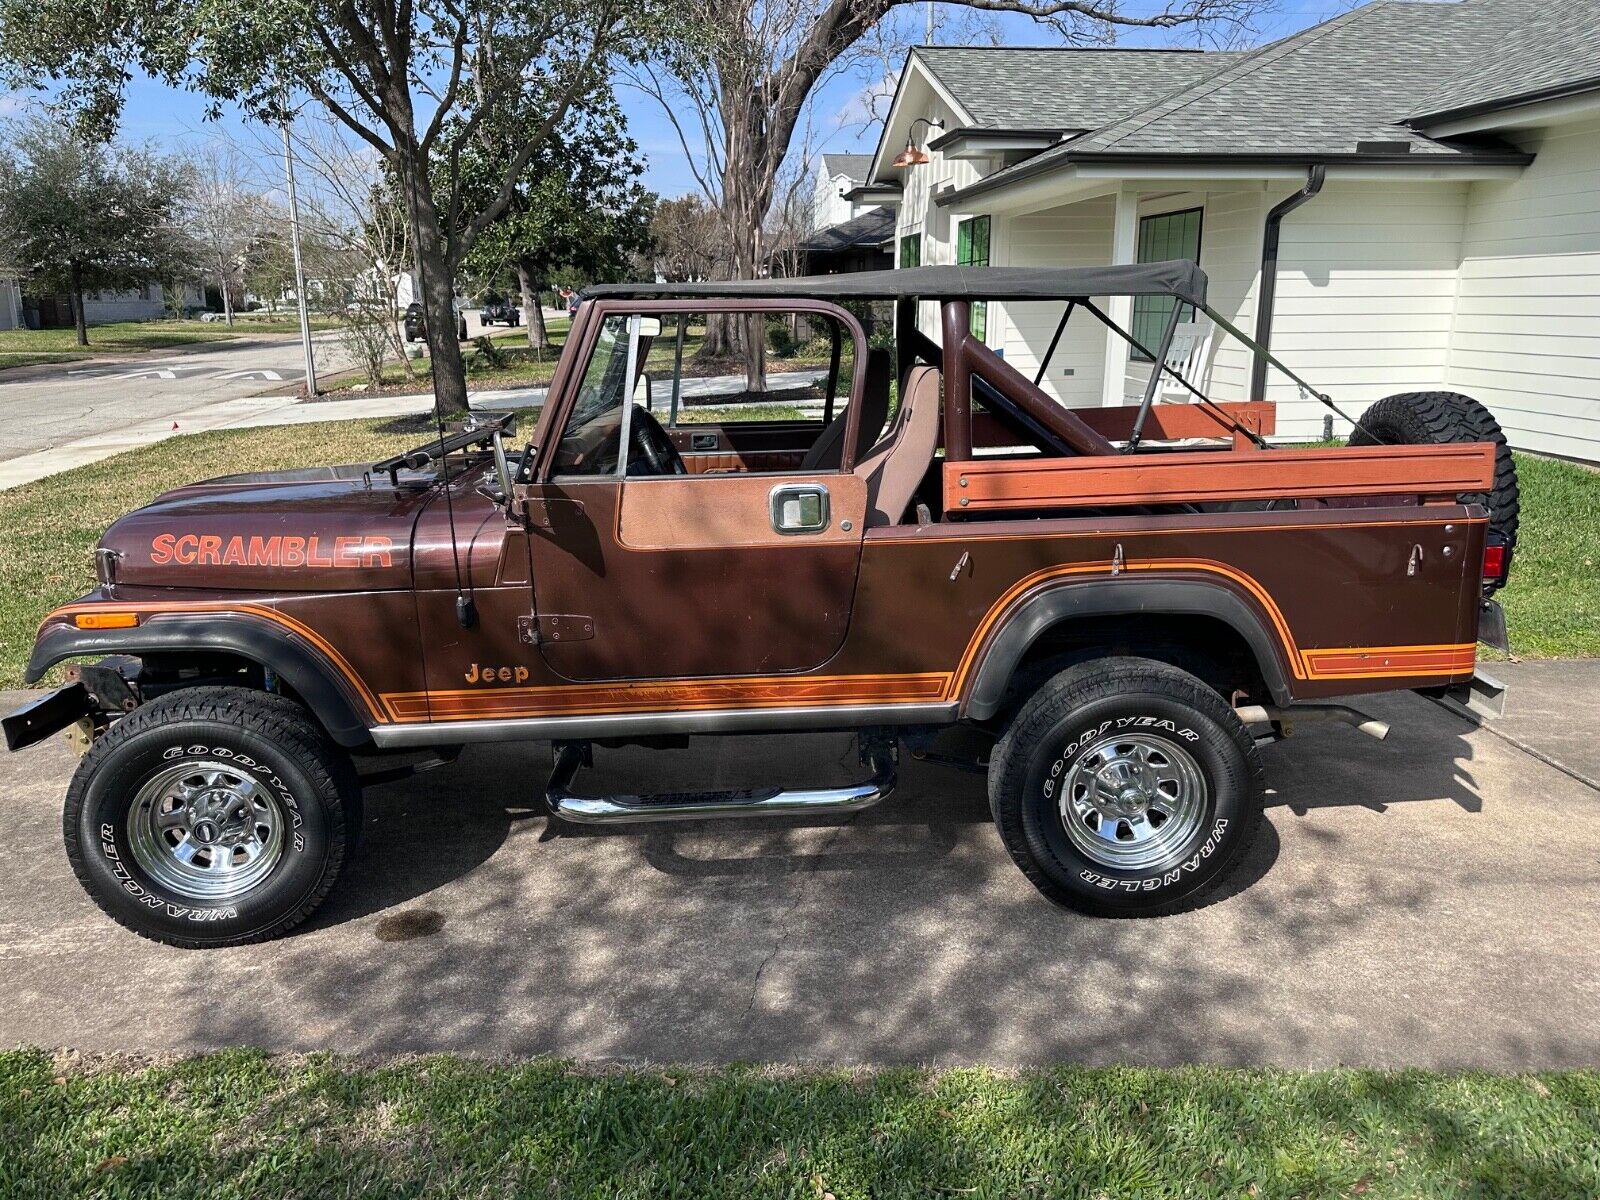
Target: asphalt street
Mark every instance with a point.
(42, 407)
(1429, 900)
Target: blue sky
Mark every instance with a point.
(177, 119)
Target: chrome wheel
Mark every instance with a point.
(205, 831)
(1133, 801)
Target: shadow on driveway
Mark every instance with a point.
(1395, 910)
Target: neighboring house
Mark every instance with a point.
(1447, 160)
(837, 175)
(99, 308)
(845, 232)
(863, 243)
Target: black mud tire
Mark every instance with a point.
(1440, 418)
(1079, 709)
(279, 746)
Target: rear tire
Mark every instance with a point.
(1125, 788)
(1442, 418)
(212, 816)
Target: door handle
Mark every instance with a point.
(704, 441)
(798, 508)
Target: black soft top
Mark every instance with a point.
(1176, 277)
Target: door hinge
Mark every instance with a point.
(555, 627)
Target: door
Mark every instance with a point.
(644, 573)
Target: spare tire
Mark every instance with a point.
(1438, 418)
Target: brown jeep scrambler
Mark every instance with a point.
(1120, 603)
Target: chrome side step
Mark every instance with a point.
(881, 756)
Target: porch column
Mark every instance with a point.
(1124, 248)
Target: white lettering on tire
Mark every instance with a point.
(131, 885)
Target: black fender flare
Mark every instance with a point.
(1118, 597)
(304, 668)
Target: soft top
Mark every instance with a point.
(1176, 277)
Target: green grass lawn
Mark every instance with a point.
(1553, 601)
(49, 528)
(241, 1124)
(119, 337)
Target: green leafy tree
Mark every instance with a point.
(579, 208)
(414, 79)
(79, 217)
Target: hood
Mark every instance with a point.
(323, 529)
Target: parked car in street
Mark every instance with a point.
(416, 329)
(1111, 609)
(500, 313)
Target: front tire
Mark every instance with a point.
(1125, 787)
(212, 817)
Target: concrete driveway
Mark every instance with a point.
(1429, 900)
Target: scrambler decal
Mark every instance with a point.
(280, 550)
(264, 773)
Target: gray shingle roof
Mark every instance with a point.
(871, 228)
(851, 166)
(1553, 47)
(1321, 92)
(1354, 78)
(1008, 87)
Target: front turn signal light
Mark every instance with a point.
(106, 620)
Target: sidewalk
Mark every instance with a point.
(257, 411)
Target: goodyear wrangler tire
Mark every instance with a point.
(212, 816)
(1439, 418)
(1125, 787)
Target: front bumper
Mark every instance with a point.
(49, 714)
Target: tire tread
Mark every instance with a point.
(1082, 684)
(274, 718)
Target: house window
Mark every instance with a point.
(911, 250)
(1163, 236)
(972, 250)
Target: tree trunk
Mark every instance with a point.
(227, 300)
(79, 323)
(745, 203)
(436, 291)
(532, 310)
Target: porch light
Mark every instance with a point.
(913, 155)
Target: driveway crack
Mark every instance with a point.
(799, 898)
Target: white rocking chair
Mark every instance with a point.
(1191, 340)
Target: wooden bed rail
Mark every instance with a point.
(1167, 422)
(1426, 472)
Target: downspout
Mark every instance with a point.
(1269, 273)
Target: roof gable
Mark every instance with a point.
(853, 167)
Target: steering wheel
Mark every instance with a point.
(652, 441)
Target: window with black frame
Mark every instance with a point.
(1163, 236)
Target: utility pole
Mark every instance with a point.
(299, 267)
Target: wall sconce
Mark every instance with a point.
(914, 155)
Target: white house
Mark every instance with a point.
(1432, 171)
(836, 176)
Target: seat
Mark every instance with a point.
(1187, 355)
(895, 466)
(828, 450)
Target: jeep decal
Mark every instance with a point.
(280, 550)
